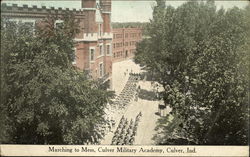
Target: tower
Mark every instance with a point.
(106, 12)
(97, 37)
(105, 6)
(89, 8)
(88, 3)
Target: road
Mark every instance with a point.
(147, 124)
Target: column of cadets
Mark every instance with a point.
(128, 91)
(121, 101)
(126, 132)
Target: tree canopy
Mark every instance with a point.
(44, 98)
(200, 55)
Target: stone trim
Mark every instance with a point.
(37, 10)
(90, 37)
(89, 9)
(106, 12)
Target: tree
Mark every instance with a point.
(198, 54)
(44, 99)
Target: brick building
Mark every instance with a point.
(93, 44)
(124, 42)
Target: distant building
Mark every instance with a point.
(124, 43)
(93, 44)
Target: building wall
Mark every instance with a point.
(95, 30)
(124, 43)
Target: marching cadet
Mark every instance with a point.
(126, 140)
(136, 96)
(131, 141)
(112, 122)
(140, 114)
(131, 122)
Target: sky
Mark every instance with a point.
(125, 10)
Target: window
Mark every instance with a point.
(11, 24)
(74, 56)
(92, 54)
(59, 24)
(28, 25)
(101, 50)
(108, 49)
(118, 35)
(114, 45)
(101, 69)
(100, 29)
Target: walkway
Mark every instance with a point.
(147, 124)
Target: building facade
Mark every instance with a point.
(124, 43)
(93, 49)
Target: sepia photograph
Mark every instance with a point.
(125, 77)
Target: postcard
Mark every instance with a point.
(124, 78)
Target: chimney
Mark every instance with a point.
(88, 3)
(105, 5)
